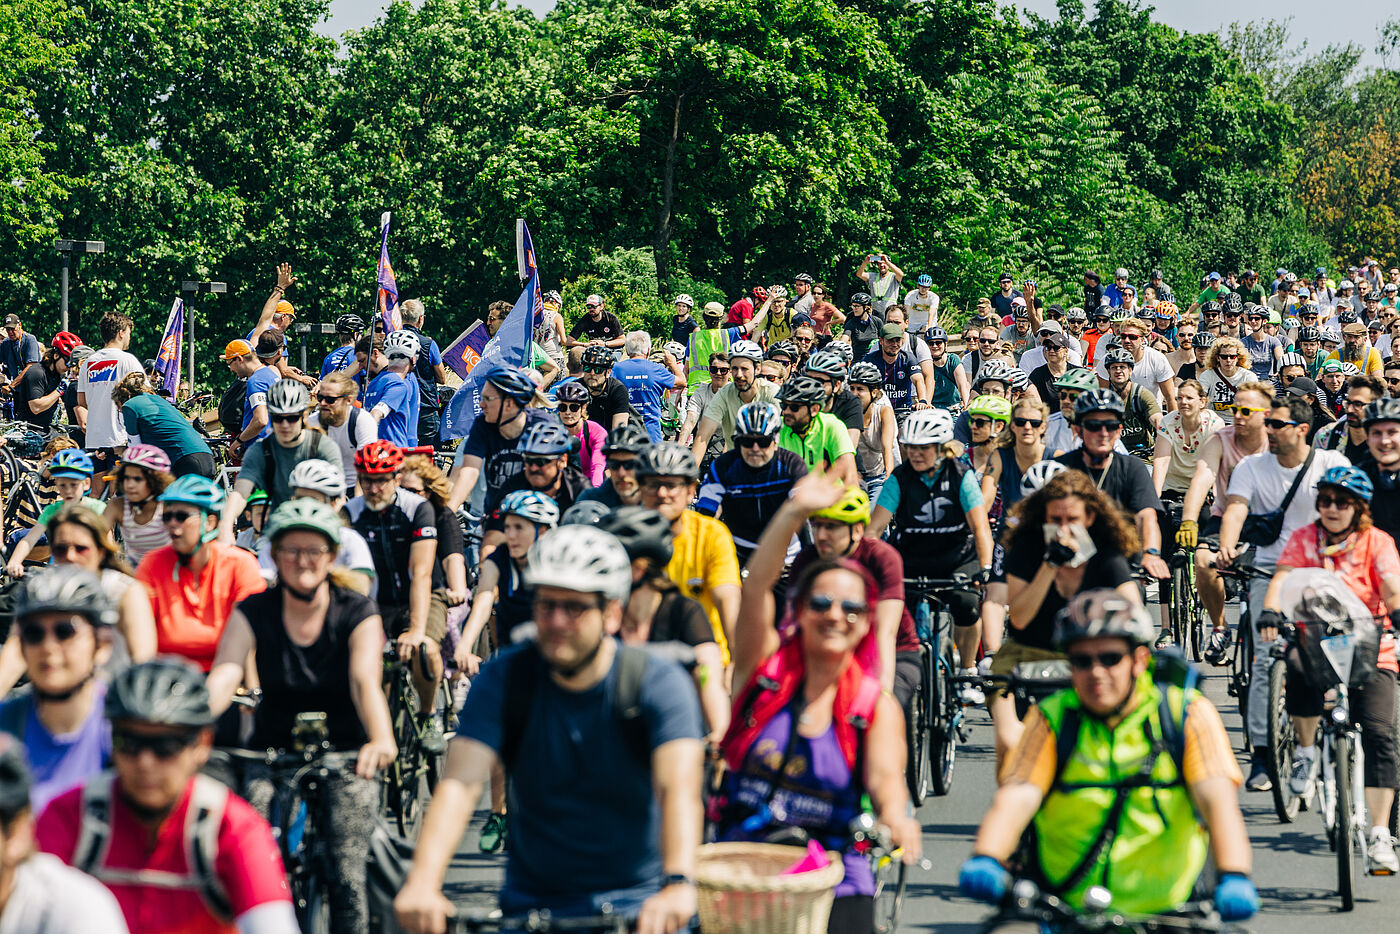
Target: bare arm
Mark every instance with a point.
(709, 681)
(964, 384)
(886, 417)
(421, 555)
(888, 613)
(703, 433)
(285, 280)
(844, 469)
(255, 425)
(137, 624)
(1161, 460)
(727, 598)
(1203, 480)
(1217, 801)
(1013, 807)
(235, 646)
(879, 519)
(755, 636)
(463, 481)
(1168, 387)
(886, 752)
(1231, 522)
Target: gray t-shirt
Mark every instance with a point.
(275, 481)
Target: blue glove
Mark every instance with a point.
(1236, 898)
(984, 879)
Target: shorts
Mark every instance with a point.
(104, 461)
(198, 463)
(908, 675)
(1013, 653)
(396, 618)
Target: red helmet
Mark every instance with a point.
(379, 457)
(64, 342)
(760, 293)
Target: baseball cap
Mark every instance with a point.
(1050, 327)
(1006, 277)
(11, 321)
(1090, 274)
(1057, 338)
(238, 348)
(1120, 273)
(1320, 271)
(713, 310)
(594, 299)
(891, 331)
(284, 307)
(1303, 386)
(1329, 366)
(1214, 277)
(1280, 271)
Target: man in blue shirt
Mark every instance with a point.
(18, 350)
(347, 331)
(428, 372)
(246, 366)
(392, 397)
(645, 381)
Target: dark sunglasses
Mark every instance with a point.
(1130, 337)
(328, 400)
(34, 634)
(176, 515)
(538, 460)
(621, 465)
(286, 419)
(64, 549)
(163, 746)
(753, 441)
(979, 422)
(571, 406)
(1277, 423)
(1227, 356)
(1050, 345)
(986, 340)
(1326, 500)
(1085, 661)
(1021, 422)
(597, 369)
(591, 307)
(822, 603)
(719, 370)
(795, 406)
(1096, 424)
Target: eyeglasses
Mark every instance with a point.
(1354, 403)
(1097, 425)
(822, 603)
(593, 307)
(614, 464)
(1050, 345)
(286, 419)
(162, 745)
(296, 554)
(979, 422)
(1329, 501)
(1279, 423)
(986, 340)
(1244, 411)
(1256, 317)
(753, 441)
(571, 406)
(64, 549)
(1392, 380)
(176, 515)
(657, 484)
(1021, 421)
(1069, 395)
(573, 609)
(1084, 661)
(329, 400)
(795, 406)
(597, 369)
(32, 634)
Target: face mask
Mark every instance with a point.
(1084, 547)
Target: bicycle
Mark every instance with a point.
(1031, 682)
(1025, 902)
(606, 922)
(888, 866)
(1185, 611)
(934, 720)
(402, 781)
(1242, 647)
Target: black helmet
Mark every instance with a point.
(803, 390)
(668, 459)
(597, 355)
(1203, 339)
(168, 691)
(1233, 301)
(572, 391)
(15, 780)
(629, 439)
(783, 348)
(1384, 409)
(349, 324)
(65, 588)
(861, 298)
(1209, 307)
(584, 512)
(1097, 400)
(645, 533)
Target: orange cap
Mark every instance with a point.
(284, 307)
(235, 349)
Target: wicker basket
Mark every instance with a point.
(741, 890)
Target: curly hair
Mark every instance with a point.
(1224, 343)
(1111, 531)
(435, 485)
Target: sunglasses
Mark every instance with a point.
(1070, 395)
(795, 406)
(176, 515)
(719, 370)
(64, 549)
(1244, 411)
(1021, 421)
(329, 400)
(1085, 661)
(571, 406)
(1328, 501)
(1130, 337)
(286, 419)
(1097, 425)
(1227, 356)
(1279, 423)
(754, 441)
(822, 603)
(1050, 345)
(986, 340)
(1256, 317)
(593, 307)
(163, 746)
(979, 422)
(34, 634)
(614, 464)
(657, 484)
(538, 460)
(597, 369)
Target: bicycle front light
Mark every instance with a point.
(1339, 714)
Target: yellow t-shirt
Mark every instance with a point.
(1374, 365)
(704, 559)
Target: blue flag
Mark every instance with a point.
(171, 344)
(510, 346)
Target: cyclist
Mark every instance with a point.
(645, 380)
(420, 475)
(195, 581)
(347, 332)
(1223, 375)
(545, 450)
(506, 395)
(705, 564)
(573, 398)
(807, 691)
(180, 852)
(1259, 485)
(993, 379)
(1383, 468)
(657, 612)
(258, 378)
(1364, 558)
(71, 471)
(321, 482)
(988, 416)
(829, 367)
(63, 623)
(143, 473)
(316, 646)
(592, 831)
(821, 439)
(151, 419)
(904, 382)
(620, 488)
(100, 374)
(933, 506)
(1141, 412)
(876, 451)
(393, 397)
(401, 529)
(700, 395)
(950, 380)
(610, 404)
(343, 422)
(1119, 810)
(745, 487)
(1348, 434)
(1147, 368)
(1059, 427)
(743, 387)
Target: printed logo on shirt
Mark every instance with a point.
(102, 371)
(425, 532)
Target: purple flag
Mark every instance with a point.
(168, 358)
(388, 296)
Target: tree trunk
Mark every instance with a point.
(661, 243)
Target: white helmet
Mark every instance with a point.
(402, 345)
(684, 299)
(287, 397)
(582, 558)
(1039, 474)
(318, 475)
(748, 350)
(675, 348)
(927, 426)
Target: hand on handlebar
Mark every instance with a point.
(1226, 555)
(1186, 533)
(422, 909)
(1268, 625)
(907, 834)
(408, 643)
(375, 756)
(15, 568)
(668, 911)
(984, 879)
(1154, 565)
(465, 660)
(1236, 898)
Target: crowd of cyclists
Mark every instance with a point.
(673, 588)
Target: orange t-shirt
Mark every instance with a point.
(191, 610)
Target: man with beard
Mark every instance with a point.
(1357, 350)
(609, 406)
(744, 387)
(343, 422)
(1348, 434)
(489, 447)
(1332, 378)
(620, 488)
(545, 452)
(819, 438)
(1150, 369)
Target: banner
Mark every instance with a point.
(465, 352)
(388, 294)
(527, 268)
(168, 358)
(511, 346)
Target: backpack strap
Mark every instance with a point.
(94, 824)
(1066, 738)
(208, 799)
(627, 701)
(351, 423)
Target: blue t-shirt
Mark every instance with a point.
(392, 390)
(415, 408)
(645, 381)
(338, 359)
(14, 356)
(256, 394)
(59, 763)
(583, 817)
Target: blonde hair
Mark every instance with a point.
(1007, 438)
(435, 485)
(341, 383)
(1225, 343)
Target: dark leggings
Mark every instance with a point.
(197, 463)
(908, 674)
(852, 914)
(1374, 707)
(963, 604)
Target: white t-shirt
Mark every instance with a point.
(1035, 358)
(1152, 369)
(101, 373)
(922, 310)
(52, 898)
(1220, 392)
(353, 555)
(1260, 480)
(366, 430)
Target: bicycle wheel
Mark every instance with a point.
(1341, 830)
(1241, 661)
(890, 882)
(943, 734)
(1281, 745)
(404, 775)
(916, 734)
(1177, 609)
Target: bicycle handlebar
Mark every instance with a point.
(1025, 900)
(483, 920)
(926, 584)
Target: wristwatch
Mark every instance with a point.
(1152, 551)
(676, 878)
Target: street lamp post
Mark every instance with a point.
(195, 288)
(66, 249)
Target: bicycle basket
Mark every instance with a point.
(1338, 637)
(25, 442)
(742, 890)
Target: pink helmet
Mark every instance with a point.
(148, 456)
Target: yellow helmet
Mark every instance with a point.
(852, 507)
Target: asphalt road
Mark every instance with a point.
(1293, 868)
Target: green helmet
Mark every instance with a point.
(256, 497)
(307, 515)
(993, 407)
(1078, 378)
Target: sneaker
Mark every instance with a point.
(1217, 647)
(1300, 779)
(431, 739)
(493, 833)
(984, 667)
(1381, 853)
(1165, 640)
(970, 694)
(1258, 774)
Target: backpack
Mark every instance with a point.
(522, 678)
(231, 407)
(205, 816)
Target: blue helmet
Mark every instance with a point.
(71, 464)
(531, 506)
(1351, 479)
(758, 419)
(197, 491)
(926, 280)
(513, 382)
(547, 439)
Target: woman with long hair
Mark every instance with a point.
(143, 473)
(573, 398)
(1222, 374)
(420, 475)
(808, 711)
(1344, 541)
(877, 455)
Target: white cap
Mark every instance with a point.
(594, 299)
(1346, 284)
(1050, 327)
(1120, 273)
